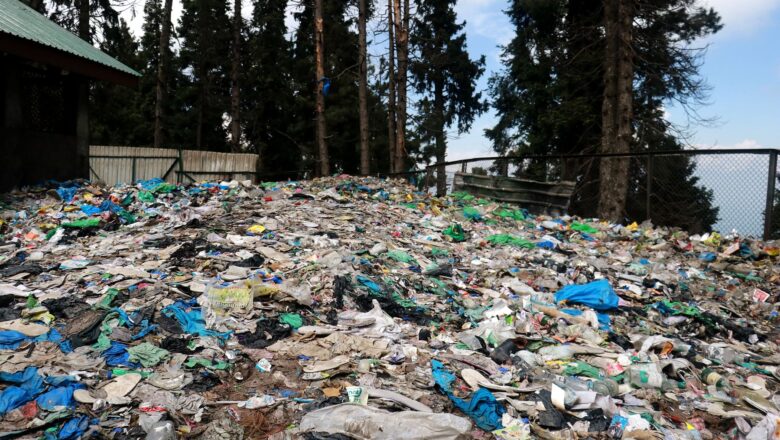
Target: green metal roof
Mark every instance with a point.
(19, 20)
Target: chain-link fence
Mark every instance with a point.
(697, 190)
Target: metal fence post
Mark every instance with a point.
(770, 194)
(464, 167)
(180, 175)
(649, 186)
(132, 176)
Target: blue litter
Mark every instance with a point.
(12, 339)
(597, 295)
(150, 184)
(67, 193)
(707, 256)
(117, 355)
(58, 398)
(191, 319)
(483, 407)
(27, 385)
(73, 429)
(374, 287)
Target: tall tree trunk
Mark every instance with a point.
(235, 124)
(319, 60)
(391, 121)
(441, 143)
(402, 49)
(82, 115)
(162, 72)
(199, 128)
(363, 89)
(84, 20)
(616, 108)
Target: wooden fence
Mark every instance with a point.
(113, 165)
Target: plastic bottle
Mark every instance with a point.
(605, 387)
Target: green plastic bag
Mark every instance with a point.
(507, 239)
(472, 213)
(455, 232)
(92, 222)
(400, 256)
(510, 214)
(294, 320)
(201, 362)
(147, 354)
(146, 196)
(164, 188)
(578, 368)
(582, 227)
(439, 252)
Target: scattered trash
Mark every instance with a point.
(358, 308)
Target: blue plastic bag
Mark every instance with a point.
(482, 407)
(597, 295)
(191, 319)
(27, 385)
(73, 429)
(67, 193)
(57, 398)
(117, 355)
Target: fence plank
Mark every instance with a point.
(113, 164)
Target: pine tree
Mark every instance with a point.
(268, 101)
(163, 72)
(204, 31)
(341, 70)
(116, 111)
(445, 77)
(549, 96)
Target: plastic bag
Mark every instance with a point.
(482, 406)
(365, 422)
(510, 240)
(455, 232)
(598, 295)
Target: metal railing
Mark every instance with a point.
(722, 189)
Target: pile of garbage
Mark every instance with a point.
(360, 308)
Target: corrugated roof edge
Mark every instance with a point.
(24, 12)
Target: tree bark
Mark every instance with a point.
(365, 166)
(402, 50)
(235, 124)
(84, 33)
(162, 72)
(391, 106)
(441, 143)
(319, 56)
(616, 108)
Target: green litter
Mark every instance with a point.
(514, 214)
(164, 188)
(51, 233)
(460, 195)
(401, 257)
(455, 232)
(508, 239)
(32, 301)
(409, 205)
(105, 301)
(203, 362)
(578, 368)
(472, 213)
(582, 227)
(92, 222)
(147, 354)
(439, 252)
(123, 371)
(146, 196)
(294, 320)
